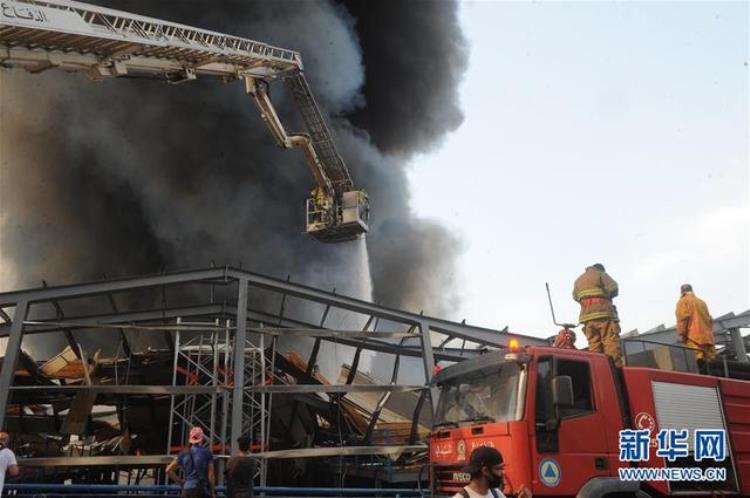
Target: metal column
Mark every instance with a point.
(239, 363)
(738, 345)
(174, 383)
(225, 400)
(429, 362)
(11, 356)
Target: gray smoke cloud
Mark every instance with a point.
(133, 176)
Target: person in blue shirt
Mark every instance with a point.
(197, 464)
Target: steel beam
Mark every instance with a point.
(71, 461)
(152, 460)
(11, 356)
(428, 361)
(668, 335)
(206, 326)
(331, 388)
(218, 275)
(384, 398)
(120, 389)
(448, 354)
(329, 333)
(240, 336)
(358, 352)
(28, 363)
(738, 345)
(68, 333)
(209, 310)
(479, 335)
(175, 363)
(392, 451)
(414, 433)
(732, 321)
(123, 336)
(94, 321)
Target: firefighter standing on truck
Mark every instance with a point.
(694, 325)
(594, 290)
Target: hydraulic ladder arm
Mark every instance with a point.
(38, 35)
(335, 211)
(258, 89)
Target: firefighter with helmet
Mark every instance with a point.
(565, 339)
(694, 324)
(594, 291)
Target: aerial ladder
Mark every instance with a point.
(103, 43)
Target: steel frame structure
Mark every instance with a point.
(726, 332)
(237, 312)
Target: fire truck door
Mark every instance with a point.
(571, 445)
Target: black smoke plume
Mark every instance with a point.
(125, 176)
(414, 58)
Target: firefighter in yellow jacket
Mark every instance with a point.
(594, 290)
(694, 325)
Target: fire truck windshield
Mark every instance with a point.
(482, 395)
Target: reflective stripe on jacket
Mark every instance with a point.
(594, 290)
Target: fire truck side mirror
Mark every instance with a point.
(562, 391)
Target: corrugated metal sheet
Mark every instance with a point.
(681, 406)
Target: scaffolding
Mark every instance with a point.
(204, 359)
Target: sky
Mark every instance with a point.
(596, 132)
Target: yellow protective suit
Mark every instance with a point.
(594, 290)
(695, 326)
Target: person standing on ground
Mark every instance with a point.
(197, 464)
(486, 470)
(241, 471)
(694, 324)
(594, 291)
(8, 464)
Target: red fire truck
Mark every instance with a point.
(556, 414)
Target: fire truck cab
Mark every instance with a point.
(555, 415)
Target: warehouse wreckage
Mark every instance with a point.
(114, 413)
